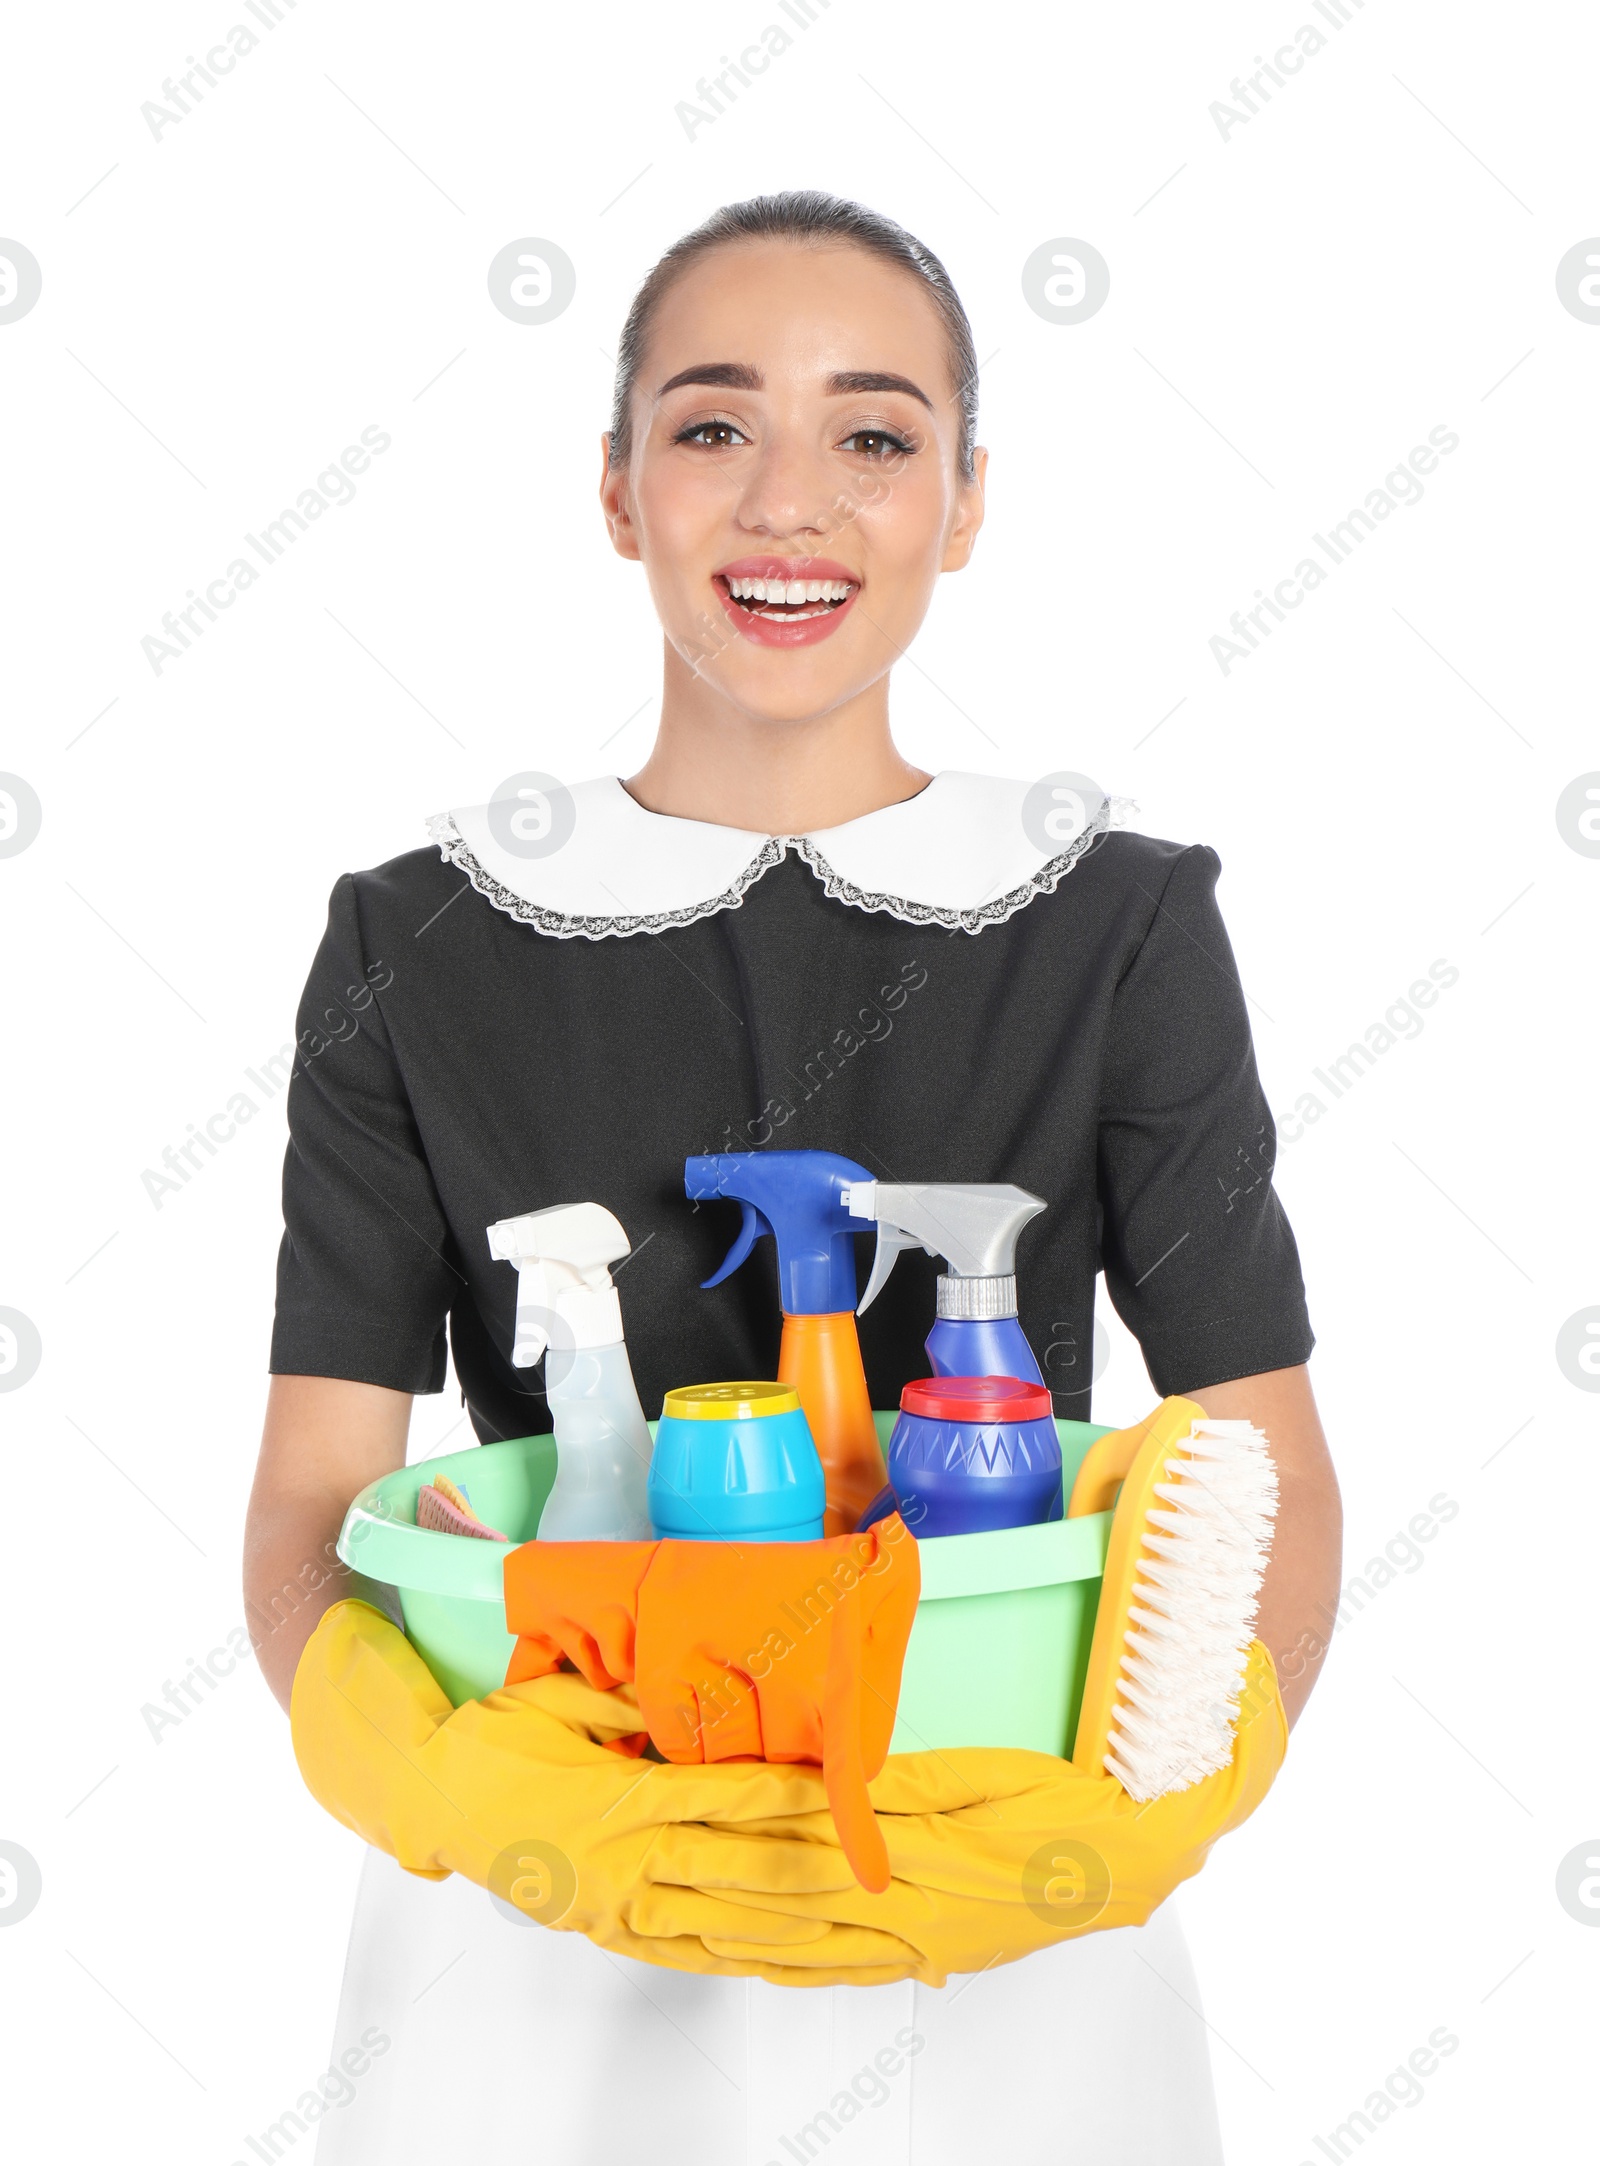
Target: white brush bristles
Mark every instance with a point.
(1193, 1613)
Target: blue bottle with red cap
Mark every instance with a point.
(970, 1454)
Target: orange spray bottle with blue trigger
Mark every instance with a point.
(799, 1197)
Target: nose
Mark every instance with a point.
(786, 492)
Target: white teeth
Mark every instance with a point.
(791, 592)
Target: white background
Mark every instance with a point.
(1292, 308)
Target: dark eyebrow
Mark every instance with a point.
(726, 375)
(852, 380)
(740, 376)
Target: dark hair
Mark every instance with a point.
(805, 215)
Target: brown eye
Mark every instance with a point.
(876, 444)
(713, 435)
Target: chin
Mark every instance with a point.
(796, 684)
(788, 704)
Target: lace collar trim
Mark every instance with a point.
(936, 859)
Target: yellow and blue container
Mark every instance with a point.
(735, 1463)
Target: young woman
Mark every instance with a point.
(777, 931)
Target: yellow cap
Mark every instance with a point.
(729, 1402)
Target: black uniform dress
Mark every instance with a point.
(560, 1008)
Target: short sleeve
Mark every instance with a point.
(364, 1276)
(1197, 1252)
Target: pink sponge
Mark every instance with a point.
(444, 1510)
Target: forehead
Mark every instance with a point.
(797, 312)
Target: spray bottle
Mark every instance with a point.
(974, 1227)
(567, 1310)
(799, 1198)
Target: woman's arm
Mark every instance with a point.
(324, 1440)
(1300, 1594)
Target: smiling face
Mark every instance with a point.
(794, 485)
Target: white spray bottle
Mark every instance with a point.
(567, 1311)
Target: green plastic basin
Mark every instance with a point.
(997, 1653)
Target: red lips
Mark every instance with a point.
(799, 629)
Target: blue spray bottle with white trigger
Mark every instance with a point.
(973, 1226)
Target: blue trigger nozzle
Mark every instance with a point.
(799, 1198)
(751, 1227)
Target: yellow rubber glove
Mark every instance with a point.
(737, 1869)
(996, 1853)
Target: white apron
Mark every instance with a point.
(510, 2043)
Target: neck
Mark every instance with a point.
(710, 761)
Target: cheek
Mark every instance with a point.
(679, 518)
(902, 529)
(675, 505)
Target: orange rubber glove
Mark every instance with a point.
(578, 1600)
(778, 1651)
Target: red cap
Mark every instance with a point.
(975, 1398)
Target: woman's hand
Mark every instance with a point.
(324, 1440)
(738, 1869)
(1300, 1594)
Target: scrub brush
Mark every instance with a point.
(1189, 1544)
(443, 1509)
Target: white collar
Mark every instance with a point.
(958, 854)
